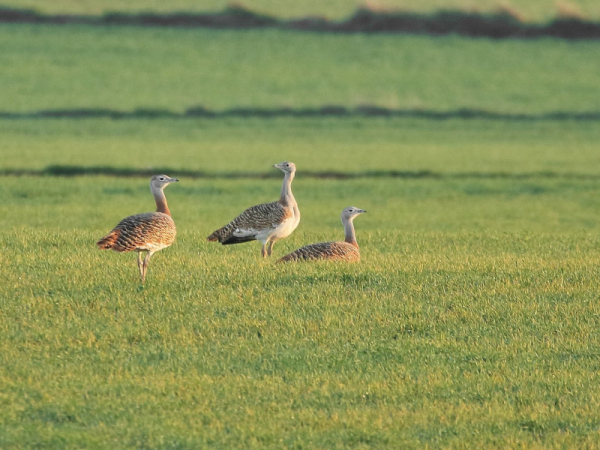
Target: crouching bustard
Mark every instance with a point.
(266, 223)
(335, 251)
(147, 232)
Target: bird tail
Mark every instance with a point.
(108, 241)
(237, 240)
(215, 236)
(221, 235)
(287, 258)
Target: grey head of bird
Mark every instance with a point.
(286, 167)
(161, 181)
(351, 212)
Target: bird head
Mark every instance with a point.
(286, 167)
(351, 212)
(161, 181)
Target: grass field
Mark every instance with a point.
(352, 145)
(174, 69)
(530, 9)
(481, 338)
(472, 318)
(471, 321)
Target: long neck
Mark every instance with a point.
(287, 198)
(161, 201)
(349, 231)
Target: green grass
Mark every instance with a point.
(530, 9)
(447, 147)
(470, 322)
(472, 319)
(174, 69)
(90, 203)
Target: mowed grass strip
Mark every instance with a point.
(127, 68)
(471, 319)
(411, 205)
(533, 10)
(475, 148)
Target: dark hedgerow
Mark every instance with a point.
(323, 111)
(497, 26)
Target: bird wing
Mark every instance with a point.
(324, 250)
(259, 218)
(252, 221)
(139, 230)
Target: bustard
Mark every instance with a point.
(147, 232)
(334, 251)
(266, 223)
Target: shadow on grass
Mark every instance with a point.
(268, 113)
(75, 171)
(498, 26)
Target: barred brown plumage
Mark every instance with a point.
(142, 231)
(267, 222)
(147, 232)
(258, 217)
(340, 251)
(333, 251)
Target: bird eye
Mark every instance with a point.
(162, 178)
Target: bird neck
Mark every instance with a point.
(287, 198)
(349, 232)
(161, 201)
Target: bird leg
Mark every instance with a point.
(270, 247)
(264, 250)
(146, 261)
(140, 265)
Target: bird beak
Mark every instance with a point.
(174, 179)
(276, 166)
(362, 211)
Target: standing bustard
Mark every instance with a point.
(266, 223)
(333, 251)
(147, 232)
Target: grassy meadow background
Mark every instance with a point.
(471, 321)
